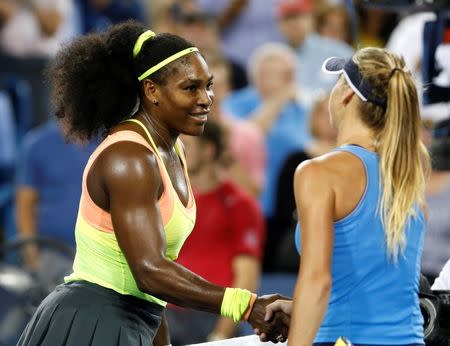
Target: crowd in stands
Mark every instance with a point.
(270, 114)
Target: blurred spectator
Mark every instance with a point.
(49, 186)
(282, 255)
(226, 244)
(442, 282)
(374, 26)
(319, 3)
(201, 29)
(244, 25)
(162, 15)
(246, 149)
(426, 132)
(437, 237)
(7, 137)
(272, 103)
(30, 72)
(31, 32)
(295, 18)
(166, 14)
(98, 15)
(36, 28)
(7, 156)
(407, 39)
(333, 21)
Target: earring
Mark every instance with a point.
(154, 101)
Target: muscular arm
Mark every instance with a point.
(132, 182)
(314, 198)
(128, 178)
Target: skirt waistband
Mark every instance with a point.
(111, 295)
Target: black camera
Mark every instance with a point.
(435, 308)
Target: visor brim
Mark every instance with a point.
(334, 65)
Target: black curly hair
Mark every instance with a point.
(94, 78)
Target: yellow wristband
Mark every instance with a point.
(235, 303)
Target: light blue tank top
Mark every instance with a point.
(373, 301)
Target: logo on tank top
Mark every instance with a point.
(251, 238)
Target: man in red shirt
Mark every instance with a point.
(226, 245)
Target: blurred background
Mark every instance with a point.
(270, 114)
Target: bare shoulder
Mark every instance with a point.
(128, 161)
(323, 166)
(312, 177)
(311, 169)
(330, 170)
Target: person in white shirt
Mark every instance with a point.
(443, 280)
(36, 28)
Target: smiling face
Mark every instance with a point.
(184, 101)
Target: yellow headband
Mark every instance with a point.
(167, 61)
(140, 41)
(138, 46)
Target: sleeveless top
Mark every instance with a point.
(99, 258)
(373, 300)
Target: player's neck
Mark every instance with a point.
(354, 131)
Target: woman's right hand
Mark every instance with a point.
(274, 329)
(281, 308)
(280, 305)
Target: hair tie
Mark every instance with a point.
(396, 69)
(140, 41)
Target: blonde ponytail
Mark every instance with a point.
(404, 160)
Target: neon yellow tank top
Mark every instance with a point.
(99, 258)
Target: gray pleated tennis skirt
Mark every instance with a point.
(81, 313)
